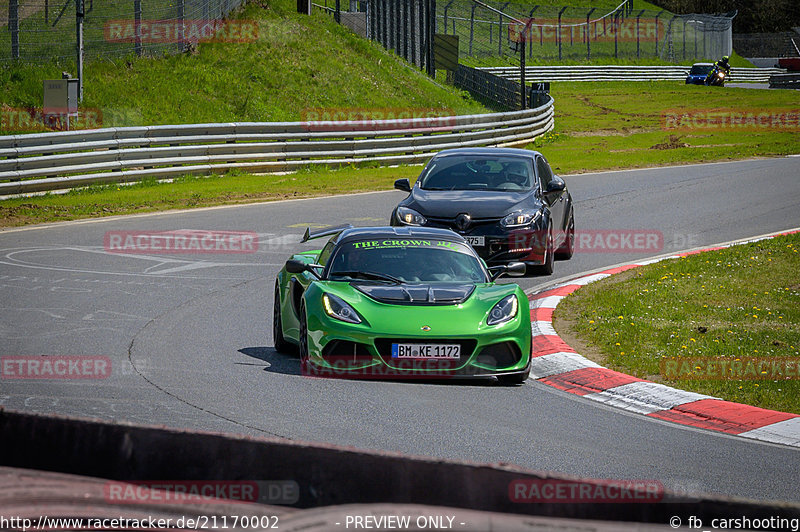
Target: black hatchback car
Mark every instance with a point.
(506, 202)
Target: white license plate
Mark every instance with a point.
(445, 351)
(476, 240)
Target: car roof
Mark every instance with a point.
(356, 234)
(487, 151)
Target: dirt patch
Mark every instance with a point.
(590, 103)
(672, 143)
(623, 132)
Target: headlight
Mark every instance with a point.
(335, 307)
(410, 216)
(518, 219)
(504, 311)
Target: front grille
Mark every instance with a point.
(384, 347)
(450, 223)
(343, 354)
(502, 355)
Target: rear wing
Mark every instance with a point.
(323, 232)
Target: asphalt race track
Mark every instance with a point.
(190, 343)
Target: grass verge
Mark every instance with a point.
(734, 305)
(599, 126)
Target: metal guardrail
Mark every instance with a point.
(625, 73)
(784, 81)
(53, 161)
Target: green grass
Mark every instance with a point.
(298, 63)
(599, 126)
(189, 192)
(609, 125)
(732, 304)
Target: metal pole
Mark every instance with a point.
(637, 32)
(13, 27)
(616, 33)
(471, 27)
(588, 46)
(528, 36)
(522, 72)
(47, 11)
(79, 46)
(684, 38)
(337, 16)
(181, 21)
(559, 31)
(137, 24)
(659, 14)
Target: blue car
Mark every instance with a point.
(697, 75)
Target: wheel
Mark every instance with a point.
(517, 378)
(302, 341)
(549, 259)
(567, 249)
(281, 345)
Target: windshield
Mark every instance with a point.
(406, 261)
(700, 69)
(501, 173)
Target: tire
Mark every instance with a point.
(516, 378)
(567, 249)
(302, 341)
(549, 260)
(281, 345)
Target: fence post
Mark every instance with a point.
(79, 45)
(182, 27)
(13, 27)
(637, 32)
(616, 33)
(588, 39)
(559, 31)
(684, 38)
(522, 69)
(337, 16)
(137, 25)
(529, 25)
(471, 27)
(659, 14)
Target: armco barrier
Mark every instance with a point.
(784, 81)
(328, 475)
(51, 161)
(625, 73)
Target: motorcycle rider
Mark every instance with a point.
(723, 65)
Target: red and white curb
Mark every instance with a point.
(556, 364)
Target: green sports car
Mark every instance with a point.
(401, 302)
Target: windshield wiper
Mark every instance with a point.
(370, 275)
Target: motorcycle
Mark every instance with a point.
(716, 78)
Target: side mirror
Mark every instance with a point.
(296, 266)
(555, 185)
(512, 269)
(403, 184)
(516, 269)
